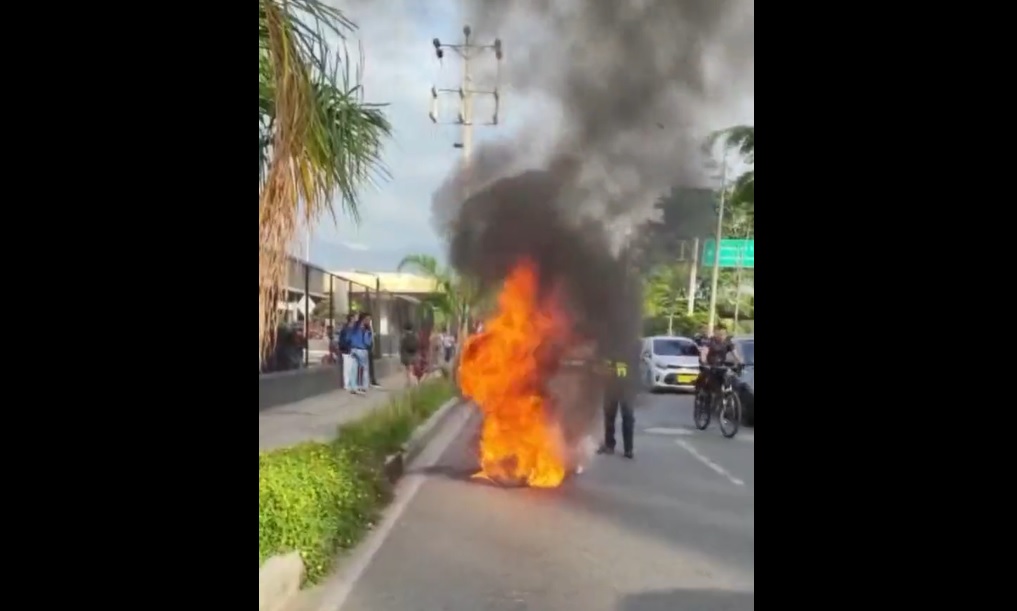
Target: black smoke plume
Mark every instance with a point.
(634, 84)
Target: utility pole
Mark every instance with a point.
(693, 281)
(738, 291)
(716, 249)
(468, 51)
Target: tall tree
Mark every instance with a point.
(456, 296)
(684, 213)
(739, 215)
(318, 138)
(666, 292)
(443, 300)
(742, 140)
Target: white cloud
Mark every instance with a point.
(399, 69)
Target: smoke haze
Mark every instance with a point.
(629, 89)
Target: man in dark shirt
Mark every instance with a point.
(369, 325)
(409, 352)
(619, 391)
(717, 351)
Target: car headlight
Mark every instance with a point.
(659, 365)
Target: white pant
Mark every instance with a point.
(360, 361)
(349, 371)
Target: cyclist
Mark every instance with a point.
(714, 354)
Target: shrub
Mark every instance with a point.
(320, 498)
(386, 429)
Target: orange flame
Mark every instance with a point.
(503, 370)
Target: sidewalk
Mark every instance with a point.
(316, 418)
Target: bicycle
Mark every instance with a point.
(722, 401)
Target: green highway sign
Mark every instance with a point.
(733, 253)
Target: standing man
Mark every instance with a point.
(409, 353)
(333, 352)
(360, 346)
(346, 362)
(619, 393)
(368, 323)
(448, 344)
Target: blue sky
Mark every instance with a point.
(400, 67)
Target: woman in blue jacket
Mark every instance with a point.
(361, 339)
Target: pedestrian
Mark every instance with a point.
(333, 351)
(619, 393)
(436, 349)
(348, 365)
(448, 344)
(360, 346)
(372, 374)
(409, 353)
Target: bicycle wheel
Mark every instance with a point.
(701, 411)
(729, 416)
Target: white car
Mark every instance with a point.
(669, 362)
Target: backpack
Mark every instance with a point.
(409, 344)
(344, 341)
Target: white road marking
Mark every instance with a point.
(663, 431)
(709, 463)
(338, 588)
(743, 437)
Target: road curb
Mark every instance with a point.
(395, 464)
(279, 581)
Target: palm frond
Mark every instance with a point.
(425, 264)
(741, 138)
(744, 189)
(316, 137)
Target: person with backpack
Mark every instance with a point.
(409, 352)
(361, 340)
(346, 360)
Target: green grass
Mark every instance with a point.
(320, 498)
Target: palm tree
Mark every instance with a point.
(457, 297)
(453, 296)
(741, 139)
(317, 137)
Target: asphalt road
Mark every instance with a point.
(673, 529)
